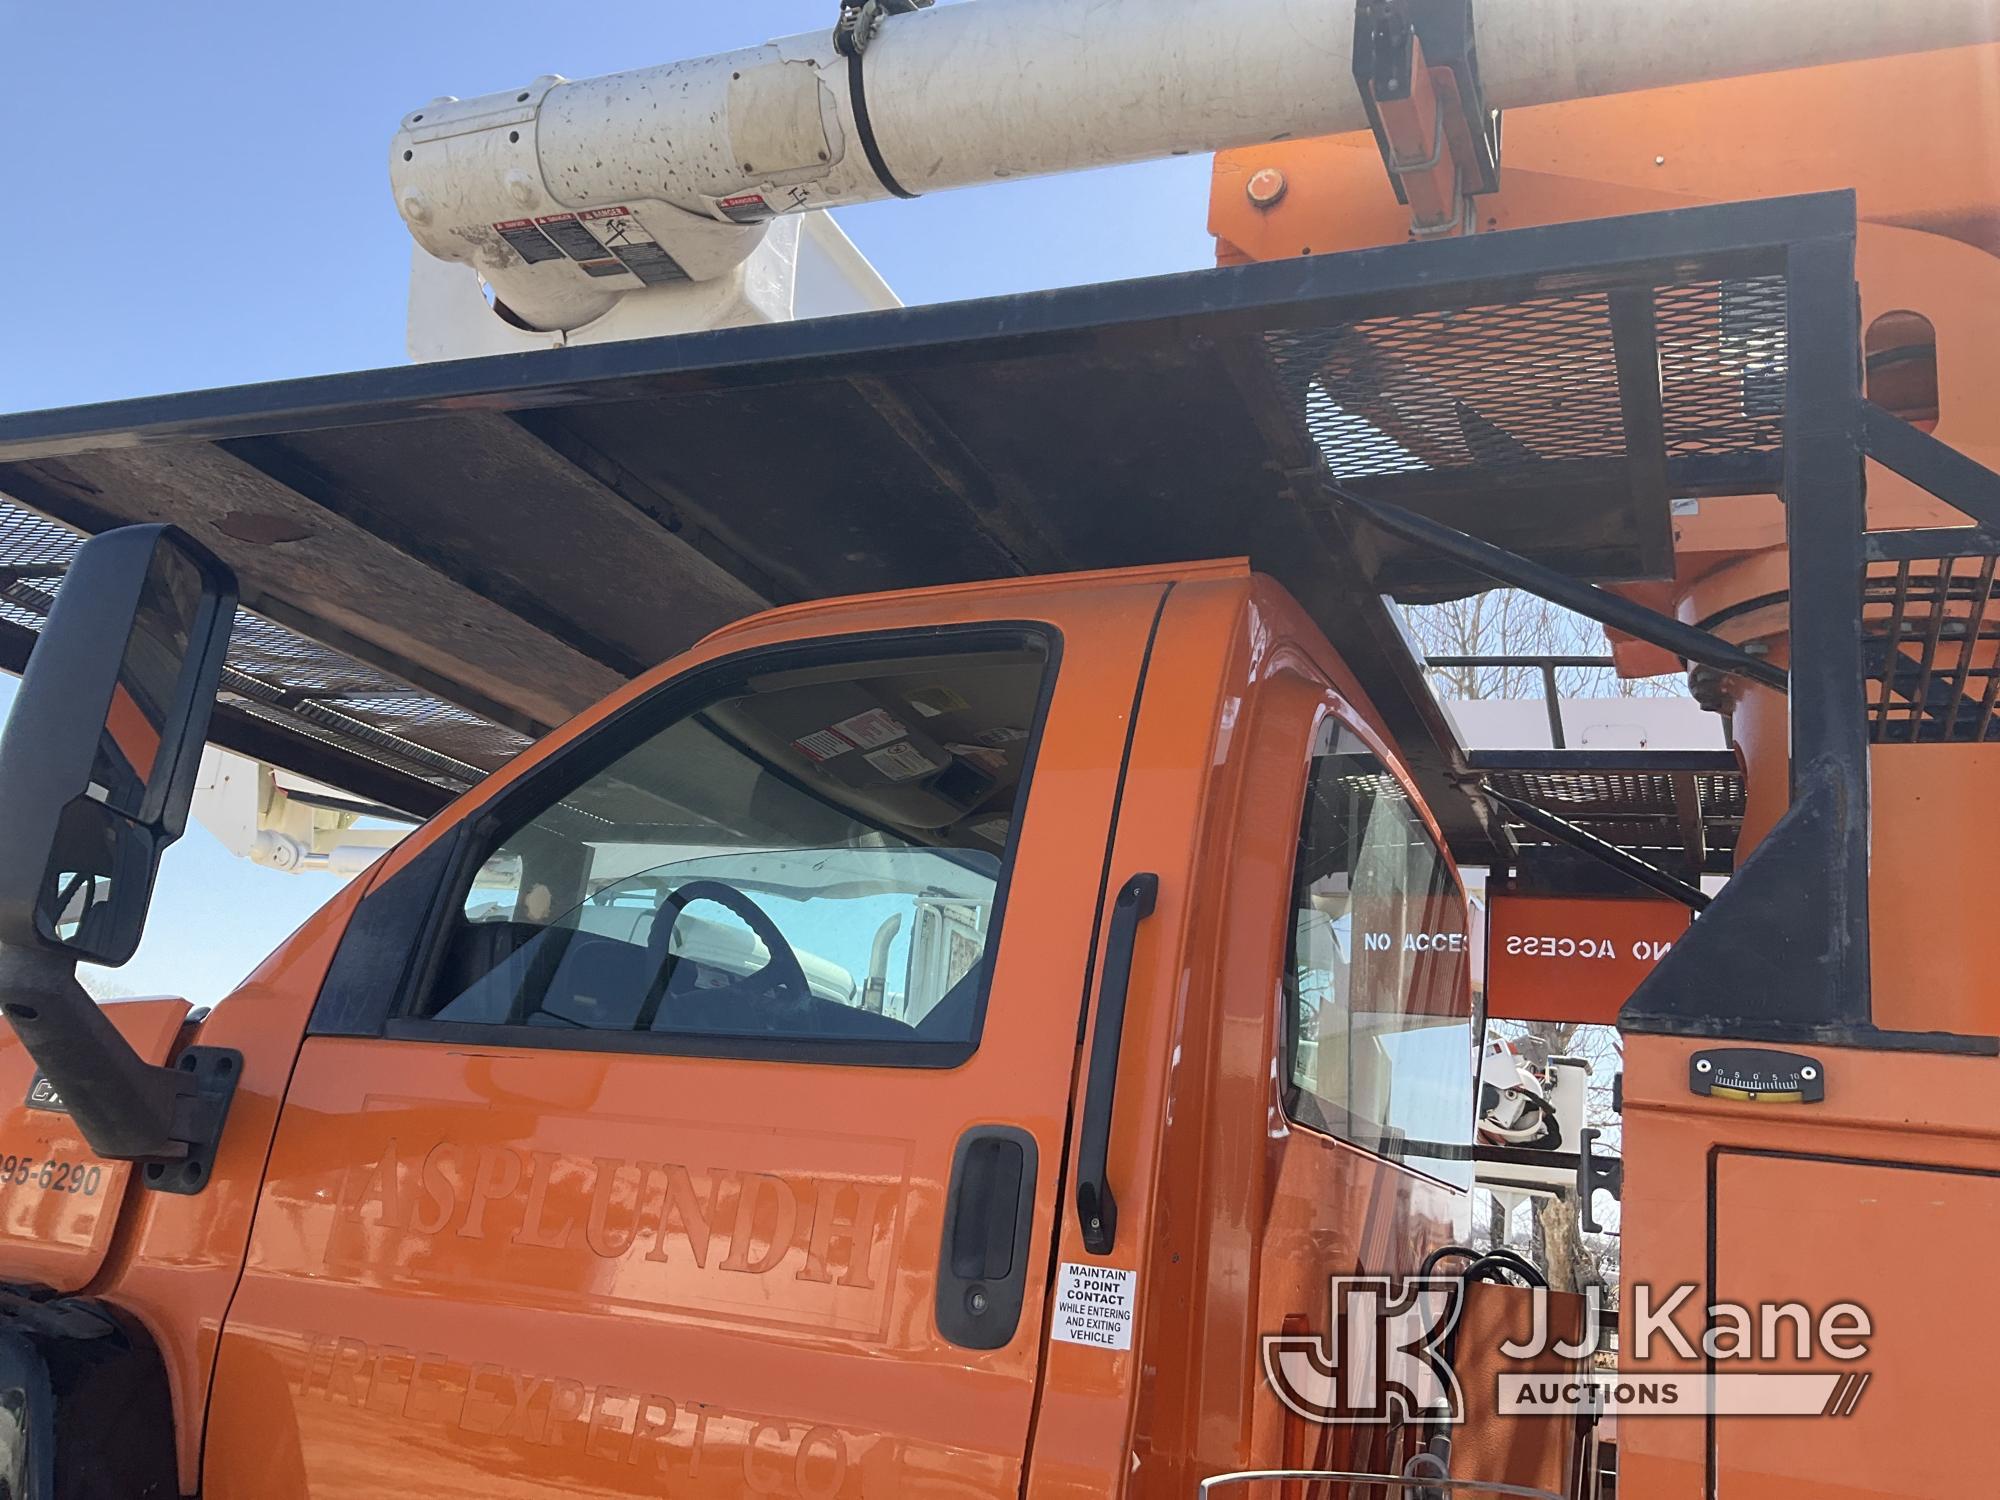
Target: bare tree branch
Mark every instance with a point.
(1507, 622)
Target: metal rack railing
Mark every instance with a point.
(1545, 666)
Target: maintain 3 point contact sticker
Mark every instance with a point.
(1094, 1305)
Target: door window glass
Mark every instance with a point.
(1377, 982)
(813, 854)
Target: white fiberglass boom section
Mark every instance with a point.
(567, 196)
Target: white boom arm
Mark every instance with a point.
(566, 196)
(282, 821)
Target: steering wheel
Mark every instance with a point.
(781, 980)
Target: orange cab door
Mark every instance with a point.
(688, 1116)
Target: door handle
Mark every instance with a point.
(988, 1216)
(1096, 1205)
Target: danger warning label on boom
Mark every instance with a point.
(598, 241)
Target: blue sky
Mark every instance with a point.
(198, 196)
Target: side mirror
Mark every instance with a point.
(97, 767)
(98, 761)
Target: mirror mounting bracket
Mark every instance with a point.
(169, 1119)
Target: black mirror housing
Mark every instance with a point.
(97, 768)
(98, 759)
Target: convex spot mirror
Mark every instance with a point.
(98, 759)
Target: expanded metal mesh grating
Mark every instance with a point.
(1511, 386)
(33, 556)
(280, 676)
(1722, 366)
(1637, 810)
(1931, 644)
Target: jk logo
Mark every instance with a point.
(1383, 1360)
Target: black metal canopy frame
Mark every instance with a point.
(1783, 952)
(439, 562)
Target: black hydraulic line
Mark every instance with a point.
(1498, 1257)
(1586, 599)
(864, 127)
(851, 36)
(1565, 832)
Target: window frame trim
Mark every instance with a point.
(1303, 1108)
(574, 763)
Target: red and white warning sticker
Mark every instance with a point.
(871, 730)
(634, 247)
(821, 744)
(746, 208)
(598, 241)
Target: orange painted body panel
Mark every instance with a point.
(1875, 1196)
(461, 1270)
(1251, 1213)
(1936, 819)
(59, 1200)
(176, 1259)
(1874, 126)
(1930, 1331)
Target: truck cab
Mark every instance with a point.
(904, 1045)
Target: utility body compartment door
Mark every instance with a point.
(739, 1173)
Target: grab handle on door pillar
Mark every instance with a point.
(1096, 1205)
